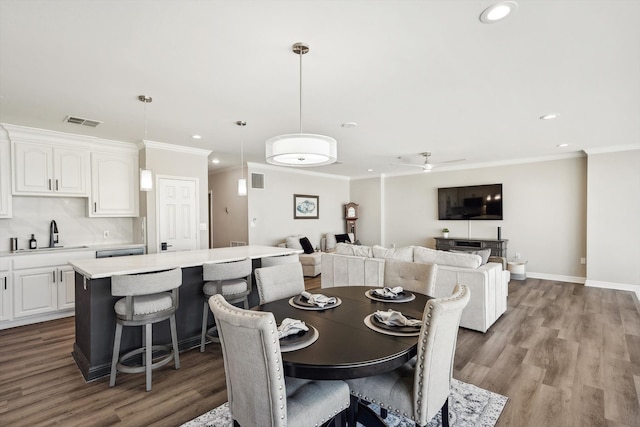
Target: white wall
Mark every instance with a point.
(179, 162)
(229, 214)
(613, 228)
(544, 211)
(272, 207)
(368, 194)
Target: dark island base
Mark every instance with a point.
(95, 321)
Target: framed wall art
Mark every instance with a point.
(306, 206)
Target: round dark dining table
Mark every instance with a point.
(346, 347)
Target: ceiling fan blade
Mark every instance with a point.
(408, 164)
(450, 161)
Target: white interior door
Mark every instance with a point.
(177, 214)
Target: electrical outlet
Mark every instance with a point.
(583, 260)
(517, 255)
(106, 234)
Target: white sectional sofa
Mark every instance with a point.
(488, 283)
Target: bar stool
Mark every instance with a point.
(228, 279)
(146, 301)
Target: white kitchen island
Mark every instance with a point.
(95, 316)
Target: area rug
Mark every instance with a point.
(469, 406)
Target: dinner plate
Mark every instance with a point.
(299, 340)
(373, 326)
(404, 296)
(377, 322)
(303, 304)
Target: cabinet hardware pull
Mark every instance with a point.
(54, 276)
(5, 283)
(49, 183)
(95, 207)
(60, 276)
(56, 185)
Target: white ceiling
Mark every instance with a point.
(415, 75)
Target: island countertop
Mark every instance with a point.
(96, 268)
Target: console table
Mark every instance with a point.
(498, 247)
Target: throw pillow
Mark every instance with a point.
(330, 242)
(307, 247)
(484, 254)
(343, 238)
(401, 254)
(293, 242)
(349, 249)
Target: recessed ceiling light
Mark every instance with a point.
(215, 161)
(549, 116)
(196, 136)
(498, 12)
(349, 125)
(564, 144)
(369, 170)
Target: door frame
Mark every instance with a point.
(197, 207)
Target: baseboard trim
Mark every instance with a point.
(556, 277)
(616, 286)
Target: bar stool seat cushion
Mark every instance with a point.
(229, 287)
(145, 304)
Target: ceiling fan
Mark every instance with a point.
(427, 166)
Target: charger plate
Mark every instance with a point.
(404, 296)
(398, 331)
(298, 341)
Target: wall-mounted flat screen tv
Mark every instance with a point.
(474, 202)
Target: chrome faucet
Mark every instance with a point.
(53, 234)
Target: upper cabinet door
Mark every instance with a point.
(5, 181)
(33, 168)
(114, 185)
(71, 169)
(49, 170)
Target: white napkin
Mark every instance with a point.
(291, 327)
(318, 299)
(395, 318)
(388, 292)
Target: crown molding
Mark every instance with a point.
(145, 143)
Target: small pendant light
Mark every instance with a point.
(242, 182)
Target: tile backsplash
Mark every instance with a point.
(32, 215)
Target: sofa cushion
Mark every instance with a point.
(464, 260)
(343, 238)
(401, 254)
(349, 249)
(484, 254)
(313, 258)
(293, 242)
(307, 247)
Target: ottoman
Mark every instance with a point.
(311, 264)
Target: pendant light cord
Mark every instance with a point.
(300, 54)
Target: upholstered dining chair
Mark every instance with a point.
(258, 391)
(420, 388)
(413, 276)
(148, 298)
(279, 281)
(229, 279)
(282, 259)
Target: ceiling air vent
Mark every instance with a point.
(82, 121)
(257, 181)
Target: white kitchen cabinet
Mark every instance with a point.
(114, 185)
(35, 291)
(5, 180)
(43, 290)
(5, 297)
(49, 170)
(66, 287)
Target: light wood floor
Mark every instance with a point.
(565, 355)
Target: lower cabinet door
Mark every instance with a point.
(66, 288)
(35, 291)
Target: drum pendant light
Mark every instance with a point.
(301, 149)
